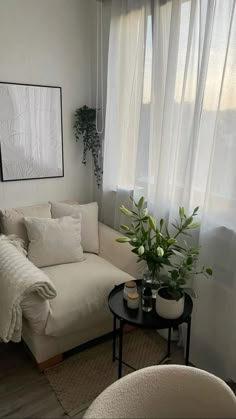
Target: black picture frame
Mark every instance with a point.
(61, 132)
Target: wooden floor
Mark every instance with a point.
(24, 391)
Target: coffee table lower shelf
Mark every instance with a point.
(165, 359)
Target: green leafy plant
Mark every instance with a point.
(85, 128)
(152, 242)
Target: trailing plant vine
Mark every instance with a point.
(85, 128)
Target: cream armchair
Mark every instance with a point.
(79, 312)
(167, 391)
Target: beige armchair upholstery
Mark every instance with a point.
(80, 312)
(167, 391)
(119, 254)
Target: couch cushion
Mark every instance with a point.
(54, 241)
(89, 224)
(12, 220)
(82, 291)
(69, 202)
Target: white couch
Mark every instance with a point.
(80, 311)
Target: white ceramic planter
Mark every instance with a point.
(169, 309)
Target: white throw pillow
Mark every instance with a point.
(54, 241)
(12, 220)
(89, 224)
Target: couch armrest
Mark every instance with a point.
(119, 254)
(18, 279)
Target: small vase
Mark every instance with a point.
(151, 280)
(169, 309)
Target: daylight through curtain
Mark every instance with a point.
(170, 136)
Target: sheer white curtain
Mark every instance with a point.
(182, 149)
(192, 149)
(126, 60)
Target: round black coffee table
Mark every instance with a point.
(140, 318)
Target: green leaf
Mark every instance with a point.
(195, 210)
(209, 271)
(195, 250)
(175, 226)
(164, 278)
(134, 242)
(167, 232)
(174, 274)
(189, 260)
(194, 225)
(161, 223)
(171, 241)
(132, 199)
(125, 210)
(141, 202)
(182, 271)
(181, 281)
(130, 234)
(123, 239)
(135, 250)
(124, 227)
(187, 222)
(181, 212)
(152, 222)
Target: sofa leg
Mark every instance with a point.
(50, 362)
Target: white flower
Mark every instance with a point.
(145, 212)
(141, 250)
(160, 251)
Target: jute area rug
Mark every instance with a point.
(78, 380)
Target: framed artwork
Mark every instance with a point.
(31, 133)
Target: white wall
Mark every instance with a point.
(50, 42)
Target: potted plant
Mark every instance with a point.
(85, 128)
(170, 263)
(170, 295)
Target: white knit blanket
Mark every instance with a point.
(18, 278)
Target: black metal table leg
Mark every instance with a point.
(114, 340)
(169, 341)
(120, 349)
(188, 340)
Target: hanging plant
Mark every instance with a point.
(85, 128)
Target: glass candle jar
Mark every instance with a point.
(147, 299)
(133, 300)
(129, 287)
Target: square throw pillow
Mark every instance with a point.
(12, 220)
(54, 241)
(89, 223)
